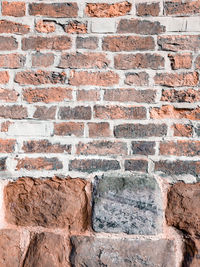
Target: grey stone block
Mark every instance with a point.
(99, 252)
(130, 203)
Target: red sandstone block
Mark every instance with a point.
(7, 26)
(101, 129)
(69, 129)
(15, 9)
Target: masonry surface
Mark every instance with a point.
(99, 133)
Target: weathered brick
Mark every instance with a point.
(3, 164)
(148, 9)
(128, 43)
(178, 79)
(5, 126)
(39, 77)
(47, 249)
(108, 10)
(87, 42)
(44, 146)
(93, 165)
(187, 95)
(39, 163)
(182, 8)
(69, 129)
(4, 77)
(55, 10)
(7, 145)
(117, 202)
(8, 43)
(99, 129)
(139, 165)
(10, 252)
(119, 112)
(42, 60)
(51, 43)
(108, 78)
(64, 205)
(101, 148)
(45, 113)
(7, 26)
(130, 95)
(180, 61)
(88, 95)
(13, 112)
(179, 42)
(83, 61)
(143, 147)
(137, 78)
(12, 61)
(175, 113)
(180, 148)
(140, 26)
(183, 130)
(29, 128)
(76, 113)
(122, 252)
(178, 167)
(138, 61)
(129, 130)
(197, 63)
(76, 27)
(47, 95)
(197, 129)
(45, 26)
(15, 9)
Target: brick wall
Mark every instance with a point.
(99, 133)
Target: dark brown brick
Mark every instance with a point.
(136, 165)
(13, 112)
(44, 146)
(148, 9)
(45, 113)
(143, 147)
(76, 113)
(87, 43)
(182, 8)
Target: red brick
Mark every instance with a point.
(88, 95)
(13, 112)
(130, 95)
(180, 148)
(42, 60)
(140, 165)
(119, 112)
(140, 26)
(100, 129)
(50, 203)
(87, 42)
(75, 113)
(47, 95)
(108, 10)
(7, 95)
(7, 145)
(180, 61)
(45, 113)
(183, 130)
(170, 112)
(45, 26)
(177, 79)
(39, 77)
(128, 43)
(83, 61)
(108, 78)
(4, 77)
(51, 43)
(55, 10)
(7, 26)
(12, 61)
(93, 165)
(148, 9)
(187, 95)
(138, 79)
(197, 63)
(138, 61)
(179, 42)
(8, 43)
(101, 148)
(39, 164)
(44, 146)
(69, 129)
(5, 126)
(76, 27)
(15, 9)
(181, 8)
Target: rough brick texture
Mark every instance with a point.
(94, 89)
